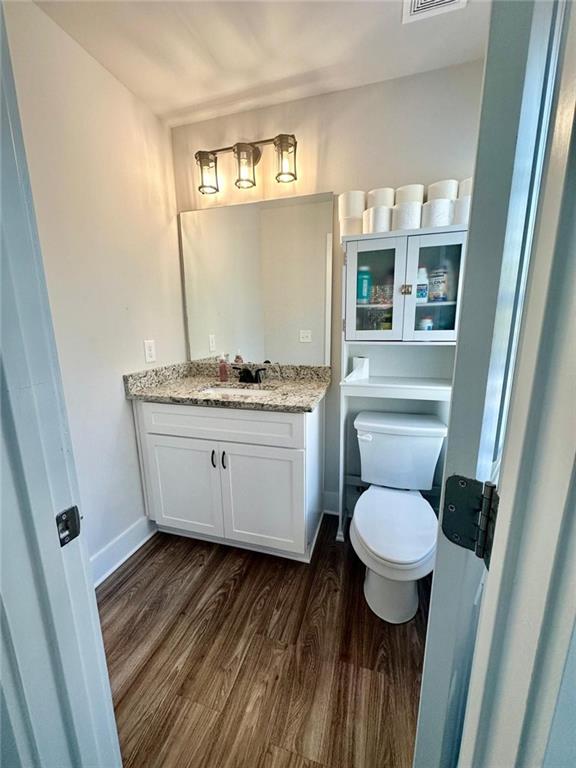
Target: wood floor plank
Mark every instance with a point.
(301, 725)
(157, 547)
(141, 712)
(188, 734)
(369, 726)
(157, 610)
(321, 625)
(212, 683)
(245, 726)
(122, 596)
(290, 602)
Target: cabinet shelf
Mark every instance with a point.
(398, 387)
(435, 304)
(375, 306)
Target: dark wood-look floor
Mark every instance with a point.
(224, 658)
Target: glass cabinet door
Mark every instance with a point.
(434, 271)
(375, 272)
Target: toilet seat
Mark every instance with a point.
(395, 531)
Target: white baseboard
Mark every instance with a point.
(330, 499)
(119, 549)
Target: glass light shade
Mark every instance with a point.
(208, 164)
(285, 145)
(247, 155)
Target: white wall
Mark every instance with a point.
(100, 167)
(419, 128)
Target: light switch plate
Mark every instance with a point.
(211, 342)
(150, 350)
(305, 337)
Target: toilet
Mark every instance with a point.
(394, 528)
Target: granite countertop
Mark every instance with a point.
(285, 388)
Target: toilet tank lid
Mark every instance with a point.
(400, 424)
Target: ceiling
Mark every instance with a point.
(190, 61)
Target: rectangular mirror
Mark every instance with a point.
(258, 280)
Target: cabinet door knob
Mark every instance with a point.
(223, 459)
(406, 289)
(213, 459)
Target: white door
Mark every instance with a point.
(434, 316)
(263, 494)
(184, 480)
(375, 274)
(515, 120)
(55, 702)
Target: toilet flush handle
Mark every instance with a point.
(365, 436)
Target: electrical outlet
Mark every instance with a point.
(211, 342)
(305, 337)
(150, 350)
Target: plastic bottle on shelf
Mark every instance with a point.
(438, 285)
(426, 324)
(422, 286)
(364, 285)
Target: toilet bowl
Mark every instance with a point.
(394, 534)
(394, 528)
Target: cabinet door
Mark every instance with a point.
(375, 272)
(184, 483)
(431, 314)
(263, 496)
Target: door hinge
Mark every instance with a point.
(68, 524)
(469, 514)
(343, 325)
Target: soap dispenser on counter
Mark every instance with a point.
(223, 368)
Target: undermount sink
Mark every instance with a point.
(236, 391)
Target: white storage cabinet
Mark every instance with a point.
(387, 267)
(249, 478)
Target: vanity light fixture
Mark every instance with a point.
(208, 164)
(285, 145)
(247, 156)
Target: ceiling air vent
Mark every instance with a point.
(414, 10)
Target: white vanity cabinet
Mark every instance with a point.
(249, 478)
(382, 276)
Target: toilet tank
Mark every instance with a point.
(399, 450)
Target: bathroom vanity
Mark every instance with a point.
(237, 464)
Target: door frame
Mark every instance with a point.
(60, 596)
(519, 85)
(528, 613)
